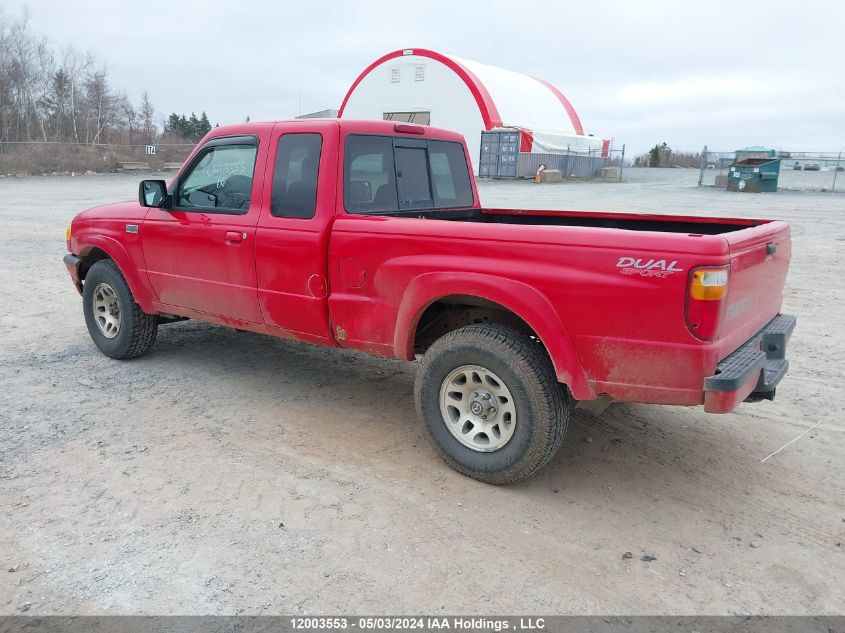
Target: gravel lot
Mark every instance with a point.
(230, 473)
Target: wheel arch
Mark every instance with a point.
(98, 248)
(89, 257)
(519, 305)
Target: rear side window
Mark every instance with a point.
(449, 174)
(385, 173)
(295, 176)
(369, 179)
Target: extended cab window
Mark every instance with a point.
(369, 180)
(219, 179)
(386, 173)
(449, 174)
(295, 176)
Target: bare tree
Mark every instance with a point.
(74, 66)
(128, 118)
(147, 115)
(63, 96)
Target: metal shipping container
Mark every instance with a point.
(499, 152)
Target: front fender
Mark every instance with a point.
(521, 299)
(117, 252)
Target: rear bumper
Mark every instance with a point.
(753, 371)
(72, 265)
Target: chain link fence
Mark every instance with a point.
(28, 158)
(513, 153)
(592, 164)
(799, 171)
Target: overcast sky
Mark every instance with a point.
(728, 74)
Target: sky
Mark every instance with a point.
(723, 73)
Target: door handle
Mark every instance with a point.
(235, 237)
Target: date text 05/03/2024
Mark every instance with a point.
(419, 623)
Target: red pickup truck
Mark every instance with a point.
(370, 235)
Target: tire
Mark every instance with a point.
(540, 407)
(122, 332)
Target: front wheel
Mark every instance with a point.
(116, 323)
(491, 403)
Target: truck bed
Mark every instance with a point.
(625, 221)
(629, 330)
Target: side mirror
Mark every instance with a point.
(153, 193)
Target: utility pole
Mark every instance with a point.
(622, 162)
(836, 169)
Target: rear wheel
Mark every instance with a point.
(491, 403)
(116, 323)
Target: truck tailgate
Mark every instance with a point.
(759, 262)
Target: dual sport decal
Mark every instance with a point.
(659, 268)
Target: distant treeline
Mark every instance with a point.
(191, 127)
(661, 155)
(63, 94)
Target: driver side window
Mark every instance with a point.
(220, 180)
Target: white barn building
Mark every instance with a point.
(430, 88)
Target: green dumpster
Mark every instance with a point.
(754, 175)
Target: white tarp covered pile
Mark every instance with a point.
(553, 142)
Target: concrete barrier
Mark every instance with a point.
(131, 165)
(551, 175)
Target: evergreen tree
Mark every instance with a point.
(191, 128)
(654, 156)
(194, 127)
(172, 124)
(205, 124)
(660, 156)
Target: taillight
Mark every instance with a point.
(708, 289)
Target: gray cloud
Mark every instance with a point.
(741, 74)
